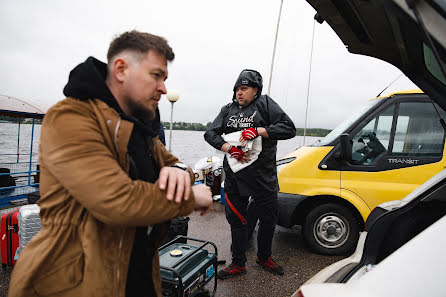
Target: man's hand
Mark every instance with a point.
(203, 198)
(236, 153)
(176, 181)
(249, 134)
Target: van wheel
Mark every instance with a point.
(331, 229)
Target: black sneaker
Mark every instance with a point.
(230, 271)
(270, 265)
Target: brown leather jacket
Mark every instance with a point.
(89, 206)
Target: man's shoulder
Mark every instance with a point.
(267, 103)
(227, 106)
(67, 106)
(74, 104)
(265, 99)
(68, 102)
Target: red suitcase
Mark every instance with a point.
(9, 236)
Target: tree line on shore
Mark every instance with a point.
(9, 119)
(318, 132)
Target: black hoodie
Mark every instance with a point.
(260, 177)
(87, 81)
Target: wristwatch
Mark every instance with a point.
(180, 166)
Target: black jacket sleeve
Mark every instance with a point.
(216, 129)
(281, 127)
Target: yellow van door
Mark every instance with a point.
(395, 151)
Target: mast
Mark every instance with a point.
(274, 48)
(309, 81)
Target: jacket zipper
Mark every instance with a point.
(116, 135)
(118, 274)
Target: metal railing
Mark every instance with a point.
(18, 180)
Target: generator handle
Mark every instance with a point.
(194, 252)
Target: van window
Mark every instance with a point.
(372, 141)
(418, 133)
(418, 130)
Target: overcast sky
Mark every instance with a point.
(41, 41)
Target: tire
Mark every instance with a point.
(331, 229)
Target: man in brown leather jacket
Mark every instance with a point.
(107, 182)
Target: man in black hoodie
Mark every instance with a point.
(255, 115)
(135, 98)
(108, 185)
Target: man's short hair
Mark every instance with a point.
(139, 42)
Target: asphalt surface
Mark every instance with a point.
(288, 250)
(4, 281)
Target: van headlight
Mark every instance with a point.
(283, 162)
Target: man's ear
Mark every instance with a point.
(120, 67)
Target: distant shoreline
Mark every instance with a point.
(316, 132)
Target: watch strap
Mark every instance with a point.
(180, 166)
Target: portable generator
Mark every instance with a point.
(187, 268)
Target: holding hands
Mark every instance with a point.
(203, 198)
(249, 134)
(177, 184)
(236, 153)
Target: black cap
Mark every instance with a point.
(251, 78)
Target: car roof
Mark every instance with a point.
(387, 30)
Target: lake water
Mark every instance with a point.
(188, 146)
(9, 142)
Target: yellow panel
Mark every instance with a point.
(378, 187)
(303, 177)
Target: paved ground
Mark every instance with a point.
(288, 250)
(4, 280)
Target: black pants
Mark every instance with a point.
(236, 214)
(139, 276)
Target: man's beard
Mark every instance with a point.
(141, 112)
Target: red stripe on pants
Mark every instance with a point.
(237, 213)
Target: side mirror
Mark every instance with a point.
(345, 147)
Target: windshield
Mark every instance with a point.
(346, 124)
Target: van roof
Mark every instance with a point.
(414, 91)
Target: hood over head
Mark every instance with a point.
(88, 81)
(251, 78)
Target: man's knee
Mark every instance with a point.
(269, 213)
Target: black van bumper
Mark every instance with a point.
(288, 203)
